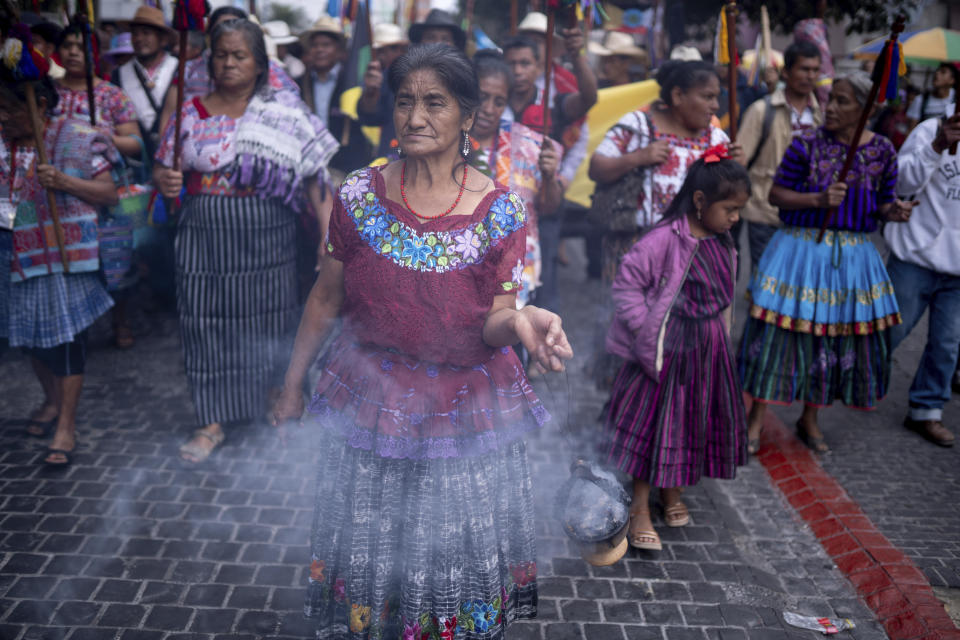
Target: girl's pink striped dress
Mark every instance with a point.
(692, 422)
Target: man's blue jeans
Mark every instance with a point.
(918, 288)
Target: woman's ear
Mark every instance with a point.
(676, 96)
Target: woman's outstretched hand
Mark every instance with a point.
(541, 333)
(288, 407)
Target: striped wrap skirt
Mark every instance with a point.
(237, 301)
(819, 321)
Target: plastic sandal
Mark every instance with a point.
(67, 458)
(645, 539)
(676, 514)
(197, 454)
(37, 429)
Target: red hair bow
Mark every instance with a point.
(716, 153)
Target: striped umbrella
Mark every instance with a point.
(928, 47)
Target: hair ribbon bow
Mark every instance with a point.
(716, 153)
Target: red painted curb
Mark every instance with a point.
(887, 580)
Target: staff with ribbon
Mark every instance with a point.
(188, 15)
(726, 53)
(890, 65)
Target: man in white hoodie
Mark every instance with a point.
(924, 267)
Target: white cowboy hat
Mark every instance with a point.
(386, 34)
(279, 32)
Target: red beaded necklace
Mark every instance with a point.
(403, 194)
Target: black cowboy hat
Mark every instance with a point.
(438, 18)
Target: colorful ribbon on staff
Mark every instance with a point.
(890, 66)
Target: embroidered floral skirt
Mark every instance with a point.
(418, 549)
(819, 321)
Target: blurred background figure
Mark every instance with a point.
(438, 27)
(933, 103)
(324, 49)
(119, 53)
(196, 43)
(375, 108)
(279, 32)
(621, 60)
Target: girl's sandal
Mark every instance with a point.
(676, 514)
(645, 539)
(195, 453)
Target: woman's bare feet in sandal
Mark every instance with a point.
(202, 444)
(641, 534)
(755, 426)
(675, 513)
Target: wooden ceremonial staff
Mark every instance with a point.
(86, 34)
(42, 159)
(178, 114)
(514, 16)
(731, 11)
(548, 69)
(882, 61)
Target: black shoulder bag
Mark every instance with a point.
(614, 205)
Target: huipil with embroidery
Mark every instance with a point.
(513, 160)
(48, 306)
(410, 375)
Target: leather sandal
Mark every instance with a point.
(646, 539)
(197, 454)
(676, 514)
(38, 429)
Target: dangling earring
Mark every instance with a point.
(466, 144)
(699, 214)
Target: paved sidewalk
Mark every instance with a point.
(131, 544)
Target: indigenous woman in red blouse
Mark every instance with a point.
(424, 522)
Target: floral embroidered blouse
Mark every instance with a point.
(269, 152)
(664, 180)
(410, 375)
(515, 154)
(112, 105)
(812, 163)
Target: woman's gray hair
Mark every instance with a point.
(860, 82)
(451, 67)
(253, 36)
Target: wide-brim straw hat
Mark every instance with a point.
(324, 24)
(437, 18)
(617, 43)
(150, 17)
(386, 34)
(279, 32)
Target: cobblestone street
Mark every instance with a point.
(130, 543)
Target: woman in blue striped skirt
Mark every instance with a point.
(252, 157)
(818, 326)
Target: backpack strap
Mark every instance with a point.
(768, 113)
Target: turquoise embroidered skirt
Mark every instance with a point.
(819, 321)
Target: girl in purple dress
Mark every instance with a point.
(676, 412)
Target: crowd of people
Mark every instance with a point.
(420, 264)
